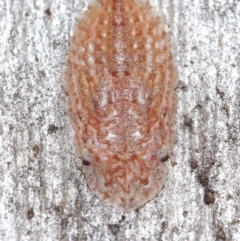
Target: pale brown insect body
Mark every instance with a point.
(121, 82)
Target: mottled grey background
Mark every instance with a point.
(42, 194)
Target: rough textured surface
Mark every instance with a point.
(121, 80)
(44, 197)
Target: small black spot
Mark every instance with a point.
(192, 62)
(203, 180)
(137, 210)
(188, 122)
(220, 93)
(10, 127)
(114, 228)
(164, 226)
(198, 106)
(229, 196)
(184, 88)
(220, 234)
(55, 44)
(26, 14)
(85, 162)
(123, 218)
(225, 108)
(52, 129)
(181, 86)
(185, 213)
(36, 150)
(193, 163)
(30, 214)
(209, 196)
(48, 12)
(58, 209)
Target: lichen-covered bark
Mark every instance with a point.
(42, 194)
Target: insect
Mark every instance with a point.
(121, 80)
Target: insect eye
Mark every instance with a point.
(162, 154)
(87, 157)
(86, 163)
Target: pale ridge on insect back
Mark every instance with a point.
(121, 80)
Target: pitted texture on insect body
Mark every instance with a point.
(121, 100)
